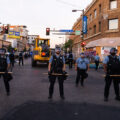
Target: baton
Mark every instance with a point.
(56, 74)
(112, 75)
(5, 72)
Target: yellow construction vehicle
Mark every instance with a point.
(41, 52)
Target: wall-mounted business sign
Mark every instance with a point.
(13, 34)
(84, 24)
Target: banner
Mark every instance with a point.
(84, 24)
(13, 34)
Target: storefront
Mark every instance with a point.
(103, 46)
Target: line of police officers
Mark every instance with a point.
(56, 69)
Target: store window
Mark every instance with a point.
(113, 24)
(113, 4)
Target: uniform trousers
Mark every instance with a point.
(52, 82)
(108, 82)
(80, 76)
(6, 83)
(21, 60)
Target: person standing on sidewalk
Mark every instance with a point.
(81, 66)
(97, 61)
(56, 66)
(111, 67)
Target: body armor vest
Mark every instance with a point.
(3, 64)
(57, 64)
(113, 66)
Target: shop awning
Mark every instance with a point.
(107, 42)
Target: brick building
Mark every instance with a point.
(103, 25)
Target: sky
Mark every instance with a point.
(37, 15)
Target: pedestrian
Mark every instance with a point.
(56, 66)
(97, 61)
(111, 67)
(21, 58)
(70, 59)
(12, 59)
(4, 66)
(81, 66)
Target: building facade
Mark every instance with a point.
(16, 35)
(103, 22)
(31, 40)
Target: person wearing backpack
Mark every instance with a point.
(4, 66)
(21, 58)
(81, 66)
(56, 66)
(70, 59)
(111, 67)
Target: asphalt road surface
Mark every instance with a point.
(29, 97)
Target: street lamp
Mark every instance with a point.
(82, 32)
(82, 21)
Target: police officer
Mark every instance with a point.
(4, 66)
(70, 59)
(111, 67)
(57, 66)
(97, 61)
(21, 57)
(81, 66)
(12, 59)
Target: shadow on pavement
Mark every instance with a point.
(62, 111)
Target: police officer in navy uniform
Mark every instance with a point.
(21, 58)
(81, 66)
(111, 67)
(56, 66)
(70, 59)
(4, 66)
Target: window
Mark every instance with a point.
(100, 8)
(90, 17)
(90, 31)
(95, 13)
(99, 26)
(94, 29)
(113, 4)
(113, 24)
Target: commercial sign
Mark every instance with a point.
(14, 34)
(84, 24)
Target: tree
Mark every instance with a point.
(68, 44)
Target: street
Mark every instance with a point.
(29, 97)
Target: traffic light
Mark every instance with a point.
(82, 34)
(47, 31)
(83, 44)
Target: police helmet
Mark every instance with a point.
(57, 49)
(82, 54)
(113, 50)
(2, 51)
